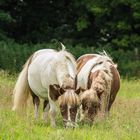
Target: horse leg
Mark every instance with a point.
(110, 103)
(36, 103)
(46, 107)
(81, 114)
(103, 112)
(52, 113)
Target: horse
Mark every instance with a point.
(50, 75)
(99, 81)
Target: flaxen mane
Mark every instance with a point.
(69, 82)
(69, 98)
(68, 55)
(102, 83)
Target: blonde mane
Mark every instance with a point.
(103, 80)
(66, 74)
(102, 83)
(107, 58)
(69, 98)
(68, 55)
(104, 77)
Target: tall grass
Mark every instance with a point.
(123, 122)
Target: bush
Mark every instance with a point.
(13, 56)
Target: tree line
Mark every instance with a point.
(94, 24)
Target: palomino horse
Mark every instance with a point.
(50, 75)
(99, 81)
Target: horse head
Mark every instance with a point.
(68, 101)
(90, 104)
(91, 98)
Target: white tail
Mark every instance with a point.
(22, 89)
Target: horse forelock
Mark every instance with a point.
(88, 95)
(103, 68)
(102, 82)
(69, 98)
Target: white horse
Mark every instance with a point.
(50, 75)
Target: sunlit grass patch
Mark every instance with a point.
(130, 88)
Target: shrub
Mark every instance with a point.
(13, 56)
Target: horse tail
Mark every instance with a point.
(22, 89)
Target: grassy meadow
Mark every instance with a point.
(123, 122)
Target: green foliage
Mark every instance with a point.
(81, 23)
(5, 16)
(13, 56)
(84, 21)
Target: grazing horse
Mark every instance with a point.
(50, 75)
(99, 80)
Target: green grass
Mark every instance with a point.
(123, 122)
(130, 89)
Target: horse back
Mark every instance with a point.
(83, 60)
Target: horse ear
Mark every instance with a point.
(56, 87)
(62, 90)
(54, 92)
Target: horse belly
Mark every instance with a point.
(35, 81)
(42, 73)
(48, 77)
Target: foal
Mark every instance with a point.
(99, 81)
(50, 75)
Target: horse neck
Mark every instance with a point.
(103, 79)
(64, 78)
